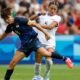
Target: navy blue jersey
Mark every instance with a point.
(22, 29)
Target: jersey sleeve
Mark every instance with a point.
(57, 19)
(8, 29)
(21, 20)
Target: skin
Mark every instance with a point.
(10, 20)
(20, 55)
(52, 11)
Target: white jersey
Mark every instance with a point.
(48, 20)
(2, 26)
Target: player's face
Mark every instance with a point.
(9, 20)
(52, 9)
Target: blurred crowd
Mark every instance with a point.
(69, 10)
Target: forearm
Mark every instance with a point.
(46, 27)
(51, 26)
(33, 17)
(39, 27)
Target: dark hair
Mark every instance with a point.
(53, 3)
(24, 4)
(5, 12)
(3, 4)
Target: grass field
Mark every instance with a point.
(58, 72)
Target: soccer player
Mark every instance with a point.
(29, 41)
(50, 22)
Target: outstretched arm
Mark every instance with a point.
(38, 26)
(35, 16)
(55, 21)
(51, 26)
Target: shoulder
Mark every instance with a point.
(57, 17)
(43, 15)
(21, 19)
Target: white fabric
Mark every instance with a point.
(2, 26)
(49, 63)
(47, 20)
(37, 69)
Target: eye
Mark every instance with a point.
(53, 8)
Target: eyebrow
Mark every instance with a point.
(53, 8)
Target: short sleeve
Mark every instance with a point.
(8, 29)
(57, 19)
(21, 20)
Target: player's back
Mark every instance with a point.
(24, 31)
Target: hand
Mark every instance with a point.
(31, 23)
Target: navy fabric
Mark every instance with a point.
(24, 31)
(33, 45)
(27, 35)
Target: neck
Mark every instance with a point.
(51, 14)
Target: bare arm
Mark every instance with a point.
(32, 23)
(51, 26)
(33, 17)
(3, 36)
